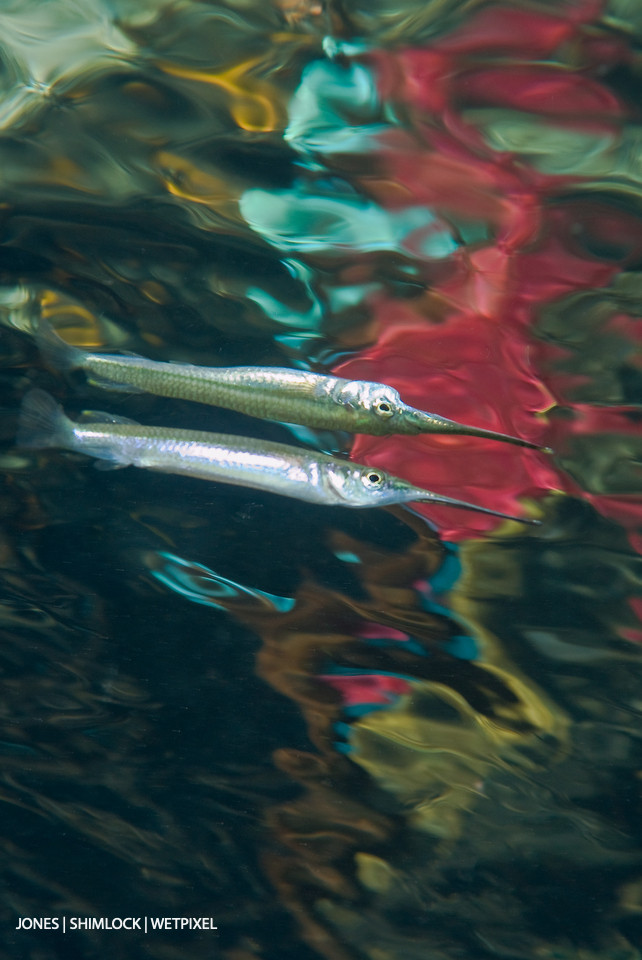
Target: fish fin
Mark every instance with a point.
(42, 422)
(406, 508)
(99, 416)
(57, 352)
(104, 383)
(104, 464)
(64, 356)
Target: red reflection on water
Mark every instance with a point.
(368, 689)
(463, 370)
(478, 367)
(478, 364)
(444, 178)
(505, 30)
(377, 631)
(550, 90)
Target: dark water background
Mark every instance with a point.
(340, 734)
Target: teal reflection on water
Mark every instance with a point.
(198, 583)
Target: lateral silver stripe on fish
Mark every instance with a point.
(262, 465)
(319, 401)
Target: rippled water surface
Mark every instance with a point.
(342, 734)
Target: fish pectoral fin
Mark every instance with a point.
(99, 416)
(408, 509)
(104, 383)
(109, 465)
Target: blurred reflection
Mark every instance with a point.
(340, 736)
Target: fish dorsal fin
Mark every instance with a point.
(116, 352)
(99, 416)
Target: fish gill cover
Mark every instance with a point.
(341, 736)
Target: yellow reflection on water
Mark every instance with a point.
(255, 104)
(433, 751)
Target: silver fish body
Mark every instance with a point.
(319, 401)
(274, 467)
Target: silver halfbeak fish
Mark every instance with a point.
(315, 477)
(315, 400)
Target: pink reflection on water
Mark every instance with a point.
(466, 352)
(376, 631)
(368, 689)
(464, 371)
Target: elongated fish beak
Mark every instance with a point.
(425, 496)
(432, 423)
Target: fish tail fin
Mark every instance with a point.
(57, 352)
(43, 423)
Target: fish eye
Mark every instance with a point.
(383, 408)
(373, 477)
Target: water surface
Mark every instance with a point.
(352, 735)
